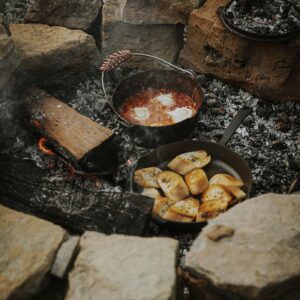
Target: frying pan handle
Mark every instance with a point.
(234, 124)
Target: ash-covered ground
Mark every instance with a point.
(280, 17)
(268, 139)
(13, 11)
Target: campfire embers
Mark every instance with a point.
(42, 146)
(77, 138)
(263, 18)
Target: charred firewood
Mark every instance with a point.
(25, 187)
(72, 136)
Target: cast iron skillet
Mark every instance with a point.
(254, 36)
(224, 160)
(183, 81)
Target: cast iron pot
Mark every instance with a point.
(183, 81)
(255, 36)
(224, 160)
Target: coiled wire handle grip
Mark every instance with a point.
(114, 60)
(117, 58)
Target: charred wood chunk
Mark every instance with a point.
(26, 187)
(76, 137)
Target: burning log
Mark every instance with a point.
(27, 188)
(82, 141)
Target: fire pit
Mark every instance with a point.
(68, 153)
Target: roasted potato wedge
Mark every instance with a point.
(196, 181)
(187, 162)
(216, 192)
(150, 192)
(177, 217)
(211, 209)
(187, 207)
(237, 193)
(204, 216)
(226, 180)
(147, 177)
(173, 185)
(161, 205)
(213, 205)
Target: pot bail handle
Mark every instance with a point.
(114, 60)
(234, 124)
(117, 58)
(109, 64)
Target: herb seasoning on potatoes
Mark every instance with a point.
(194, 197)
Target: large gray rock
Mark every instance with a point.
(258, 258)
(122, 267)
(164, 41)
(7, 66)
(79, 14)
(7, 87)
(27, 250)
(158, 12)
(46, 52)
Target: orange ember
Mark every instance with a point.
(36, 123)
(42, 146)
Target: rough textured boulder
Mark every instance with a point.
(46, 52)
(269, 70)
(122, 267)
(6, 58)
(158, 12)
(79, 14)
(164, 41)
(7, 87)
(27, 250)
(259, 259)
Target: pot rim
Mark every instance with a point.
(131, 124)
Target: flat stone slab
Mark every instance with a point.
(46, 51)
(27, 249)
(78, 14)
(164, 41)
(123, 267)
(6, 57)
(252, 250)
(158, 12)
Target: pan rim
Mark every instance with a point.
(192, 142)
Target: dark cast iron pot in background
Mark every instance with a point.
(183, 81)
(243, 33)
